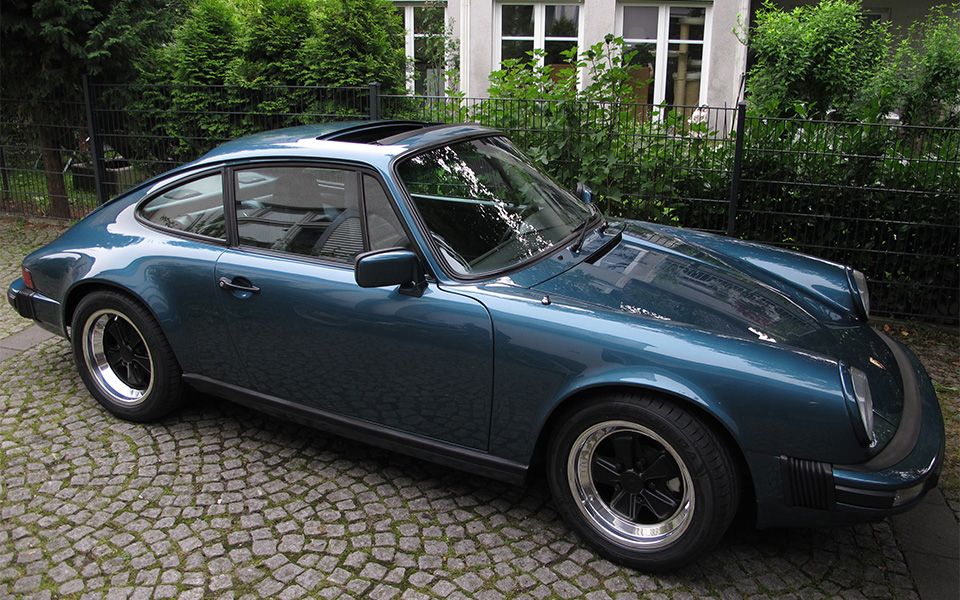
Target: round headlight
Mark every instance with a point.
(864, 401)
(860, 293)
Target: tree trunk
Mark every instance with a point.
(53, 168)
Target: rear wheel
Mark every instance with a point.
(643, 481)
(124, 358)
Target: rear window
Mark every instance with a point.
(193, 207)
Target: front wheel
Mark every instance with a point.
(643, 481)
(124, 358)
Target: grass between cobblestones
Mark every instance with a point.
(219, 501)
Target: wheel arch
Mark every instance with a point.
(136, 394)
(84, 288)
(585, 396)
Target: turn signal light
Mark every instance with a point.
(27, 278)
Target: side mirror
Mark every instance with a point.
(584, 193)
(382, 268)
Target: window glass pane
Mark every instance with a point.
(194, 207)
(517, 20)
(519, 49)
(640, 22)
(562, 21)
(383, 224)
(419, 18)
(308, 211)
(428, 66)
(555, 52)
(687, 23)
(642, 65)
(684, 65)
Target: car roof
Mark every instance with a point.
(344, 139)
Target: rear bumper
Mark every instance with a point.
(893, 481)
(32, 305)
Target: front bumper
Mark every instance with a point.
(893, 481)
(32, 305)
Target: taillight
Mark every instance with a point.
(27, 278)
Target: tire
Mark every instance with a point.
(644, 482)
(124, 358)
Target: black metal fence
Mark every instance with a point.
(883, 198)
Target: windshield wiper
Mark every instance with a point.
(585, 228)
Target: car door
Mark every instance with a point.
(307, 333)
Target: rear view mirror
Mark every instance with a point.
(584, 193)
(382, 268)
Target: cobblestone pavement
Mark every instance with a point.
(219, 501)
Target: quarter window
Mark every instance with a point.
(384, 227)
(193, 207)
(671, 48)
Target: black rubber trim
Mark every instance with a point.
(22, 302)
(905, 439)
(458, 457)
(372, 132)
(807, 484)
(478, 132)
(605, 249)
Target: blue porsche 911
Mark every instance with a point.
(426, 289)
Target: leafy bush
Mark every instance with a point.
(641, 161)
(814, 59)
(571, 131)
(921, 80)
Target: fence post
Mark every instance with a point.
(737, 166)
(3, 170)
(374, 101)
(96, 144)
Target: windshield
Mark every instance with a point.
(486, 207)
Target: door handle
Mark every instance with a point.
(226, 284)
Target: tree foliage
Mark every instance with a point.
(206, 44)
(359, 41)
(49, 44)
(273, 49)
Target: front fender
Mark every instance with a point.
(770, 398)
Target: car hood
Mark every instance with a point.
(660, 273)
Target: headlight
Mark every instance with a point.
(857, 389)
(860, 293)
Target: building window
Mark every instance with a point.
(426, 47)
(552, 28)
(876, 15)
(672, 46)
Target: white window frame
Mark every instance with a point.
(663, 43)
(409, 40)
(539, 27)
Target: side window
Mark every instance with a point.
(383, 226)
(193, 207)
(305, 210)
